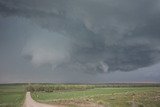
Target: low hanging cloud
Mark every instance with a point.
(90, 35)
(52, 48)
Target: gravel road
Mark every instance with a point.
(29, 102)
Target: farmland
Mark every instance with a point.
(80, 95)
(113, 96)
(12, 95)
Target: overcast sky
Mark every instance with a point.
(79, 41)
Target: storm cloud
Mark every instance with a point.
(89, 36)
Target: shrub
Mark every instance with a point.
(51, 88)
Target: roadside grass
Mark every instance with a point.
(108, 97)
(59, 95)
(12, 95)
(148, 98)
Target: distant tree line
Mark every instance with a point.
(127, 85)
(80, 87)
(52, 88)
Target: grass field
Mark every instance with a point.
(12, 95)
(108, 97)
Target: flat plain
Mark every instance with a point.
(13, 95)
(106, 97)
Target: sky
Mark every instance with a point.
(79, 41)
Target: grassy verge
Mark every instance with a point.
(112, 97)
(12, 95)
(141, 98)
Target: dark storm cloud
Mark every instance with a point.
(91, 35)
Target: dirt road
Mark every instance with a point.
(29, 102)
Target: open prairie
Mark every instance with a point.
(73, 95)
(102, 96)
(12, 95)
(79, 53)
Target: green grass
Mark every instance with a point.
(146, 98)
(43, 96)
(12, 95)
(113, 97)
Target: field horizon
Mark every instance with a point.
(82, 95)
(79, 53)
